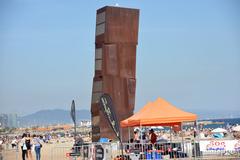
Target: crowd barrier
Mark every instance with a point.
(135, 151)
(87, 151)
(7, 152)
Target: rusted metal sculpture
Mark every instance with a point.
(115, 66)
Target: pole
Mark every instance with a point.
(17, 151)
(182, 136)
(171, 141)
(141, 137)
(121, 144)
(75, 133)
(75, 140)
(128, 135)
(171, 136)
(120, 138)
(121, 133)
(195, 151)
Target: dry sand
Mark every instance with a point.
(55, 151)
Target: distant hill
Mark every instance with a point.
(213, 113)
(56, 116)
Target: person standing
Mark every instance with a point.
(29, 146)
(1, 148)
(23, 146)
(38, 146)
(152, 136)
(136, 137)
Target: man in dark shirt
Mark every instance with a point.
(153, 136)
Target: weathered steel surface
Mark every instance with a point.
(120, 24)
(115, 66)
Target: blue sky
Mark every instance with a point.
(188, 53)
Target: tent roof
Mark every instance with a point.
(156, 113)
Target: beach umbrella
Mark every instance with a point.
(219, 130)
(157, 128)
(160, 127)
(136, 129)
(218, 135)
(236, 128)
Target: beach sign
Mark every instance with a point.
(219, 145)
(108, 110)
(73, 154)
(99, 155)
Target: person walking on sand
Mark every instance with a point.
(29, 146)
(23, 146)
(38, 146)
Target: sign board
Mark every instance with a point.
(108, 110)
(219, 145)
(99, 152)
(73, 154)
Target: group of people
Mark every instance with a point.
(29, 143)
(150, 137)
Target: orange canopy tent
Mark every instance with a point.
(158, 113)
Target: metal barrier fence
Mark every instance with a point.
(87, 151)
(159, 150)
(136, 151)
(8, 153)
(220, 155)
(131, 151)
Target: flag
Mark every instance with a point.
(73, 112)
(108, 110)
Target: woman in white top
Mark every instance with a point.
(23, 146)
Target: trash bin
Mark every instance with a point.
(148, 155)
(158, 155)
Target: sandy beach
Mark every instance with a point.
(58, 151)
(49, 151)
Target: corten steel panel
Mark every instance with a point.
(131, 91)
(117, 70)
(95, 109)
(110, 60)
(127, 61)
(121, 25)
(119, 59)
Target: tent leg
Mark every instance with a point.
(182, 138)
(197, 129)
(171, 136)
(129, 135)
(141, 137)
(121, 133)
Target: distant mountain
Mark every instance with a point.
(56, 116)
(59, 116)
(212, 113)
